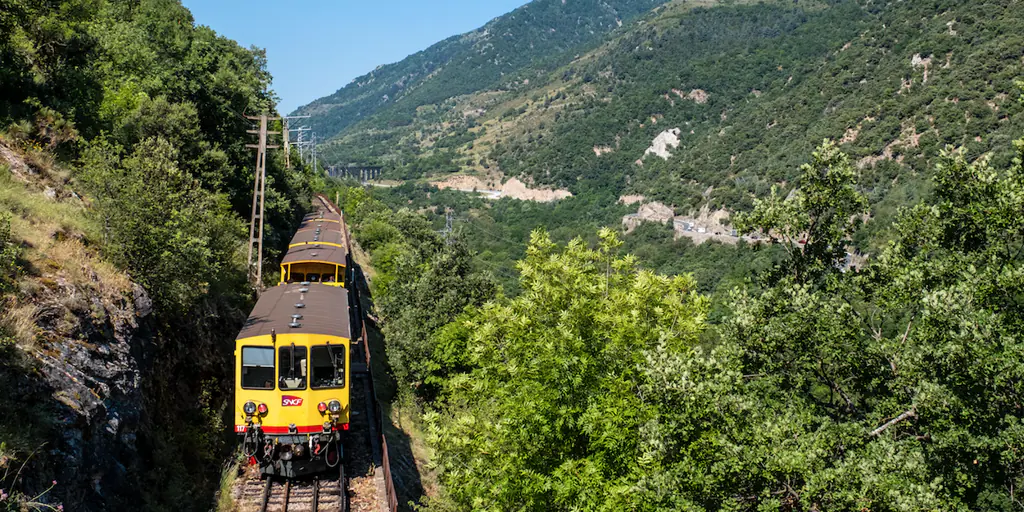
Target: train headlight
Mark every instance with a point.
(334, 406)
(249, 408)
(322, 407)
(263, 408)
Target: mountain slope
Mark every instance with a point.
(534, 35)
(736, 97)
(752, 89)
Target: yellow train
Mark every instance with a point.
(292, 358)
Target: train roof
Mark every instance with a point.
(311, 225)
(326, 254)
(322, 214)
(327, 237)
(325, 311)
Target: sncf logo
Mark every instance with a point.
(291, 401)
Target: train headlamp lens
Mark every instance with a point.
(263, 408)
(249, 408)
(334, 406)
(322, 407)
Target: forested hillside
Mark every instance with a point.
(501, 54)
(737, 94)
(124, 189)
(641, 372)
(602, 385)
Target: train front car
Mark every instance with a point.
(292, 379)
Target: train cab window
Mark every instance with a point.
(328, 363)
(328, 278)
(297, 277)
(257, 368)
(293, 368)
(313, 278)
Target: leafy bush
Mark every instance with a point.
(9, 251)
(175, 238)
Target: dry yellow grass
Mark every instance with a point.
(56, 256)
(54, 233)
(19, 321)
(225, 496)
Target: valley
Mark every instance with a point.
(590, 255)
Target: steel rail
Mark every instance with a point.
(266, 495)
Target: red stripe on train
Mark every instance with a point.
(309, 429)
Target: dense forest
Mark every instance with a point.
(124, 189)
(604, 386)
(746, 89)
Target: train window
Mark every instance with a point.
(328, 366)
(293, 368)
(257, 368)
(297, 277)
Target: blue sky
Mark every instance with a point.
(316, 47)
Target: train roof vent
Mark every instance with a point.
(294, 325)
(304, 283)
(296, 317)
(304, 290)
(299, 305)
(313, 254)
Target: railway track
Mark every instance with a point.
(319, 494)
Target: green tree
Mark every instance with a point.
(816, 221)
(175, 238)
(551, 413)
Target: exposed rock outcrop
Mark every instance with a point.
(663, 142)
(85, 379)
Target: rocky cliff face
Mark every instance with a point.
(83, 386)
(76, 340)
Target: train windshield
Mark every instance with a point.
(257, 367)
(293, 367)
(328, 366)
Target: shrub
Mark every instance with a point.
(8, 255)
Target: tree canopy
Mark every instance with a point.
(894, 385)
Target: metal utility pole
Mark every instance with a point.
(314, 152)
(258, 193)
(287, 144)
(288, 139)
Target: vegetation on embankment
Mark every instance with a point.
(599, 384)
(125, 186)
(895, 386)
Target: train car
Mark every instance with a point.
(317, 252)
(292, 366)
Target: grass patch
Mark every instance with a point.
(18, 325)
(35, 210)
(225, 498)
(57, 241)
